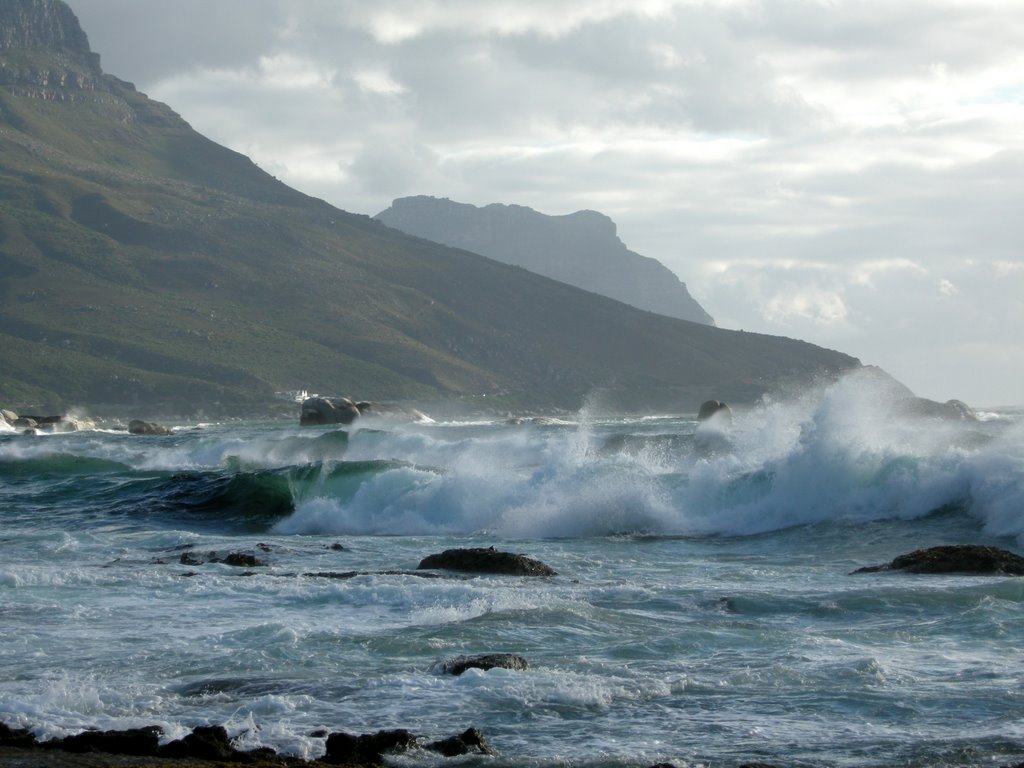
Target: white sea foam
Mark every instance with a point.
(834, 454)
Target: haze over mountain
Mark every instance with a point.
(582, 249)
(142, 263)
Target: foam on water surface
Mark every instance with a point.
(704, 611)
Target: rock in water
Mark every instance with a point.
(328, 410)
(965, 558)
(140, 742)
(470, 740)
(711, 408)
(485, 661)
(489, 560)
(140, 427)
(346, 749)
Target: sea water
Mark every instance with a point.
(704, 611)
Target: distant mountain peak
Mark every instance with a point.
(581, 249)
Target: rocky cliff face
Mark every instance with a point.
(580, 249)
(40, 24)
(45, 53)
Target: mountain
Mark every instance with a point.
(580, 249)
(141, 263)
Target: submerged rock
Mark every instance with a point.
(964, 558)
(237, 559)
(485, 661)
(489, 560)
(140, 427)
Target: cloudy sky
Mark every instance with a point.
(849, 172)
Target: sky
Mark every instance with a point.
(847, 172)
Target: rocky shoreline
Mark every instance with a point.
(207, 746)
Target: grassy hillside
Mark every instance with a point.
(142, 263)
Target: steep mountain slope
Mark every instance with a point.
(580, 249)
(143, 263)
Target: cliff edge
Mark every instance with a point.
(581, 249)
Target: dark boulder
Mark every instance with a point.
(489, 560)
(207, 742)
(25, 422)
(460, 664)
(16, 737)
(467, 742)
(715, 408)
(140, 427)
(139, 742)
(965, 559)
(346, 749)
(328, 410)
(237, 559)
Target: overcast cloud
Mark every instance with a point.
(846, 172)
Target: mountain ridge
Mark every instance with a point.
(581, 249)
(143, 264)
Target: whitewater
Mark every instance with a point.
(704, 611)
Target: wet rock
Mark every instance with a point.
(242, 560)
(489, 560)
(237, 559)
(328, 410)
(354, 574)
(963, 559)
(714, 408)
(65, 423)
(207, 742)
(16, 737)
(140, 427)
(8, 416)
(470, 741)
(344, 748)
(140, 742)
(460, 664)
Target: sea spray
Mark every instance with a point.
(704, 610)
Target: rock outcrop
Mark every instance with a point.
(456, 666)
(581, 249)
(961, 559)
(714, 408)
(140, 427)
(46, 25)
(328, 410)
(486, 560)
(64, 423)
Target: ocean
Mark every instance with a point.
(704, 611)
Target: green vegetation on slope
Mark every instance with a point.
(142, 263)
